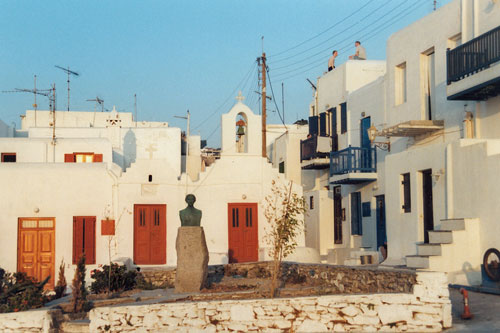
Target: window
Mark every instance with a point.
(313, 125)
(8, 157)
(82, 158)
(84, 239)
(356, 220)
(343, 118)
(282, 167)
(427, 62)
(400, 84)
(311, 202)
(405, 183)
(322, 124)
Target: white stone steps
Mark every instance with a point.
(429, 249)
(440, 237)
(453, 224)
(77, 326)
(417, 261)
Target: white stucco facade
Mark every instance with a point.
(133, 165)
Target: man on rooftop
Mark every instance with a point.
(360, 52)
(331, 61)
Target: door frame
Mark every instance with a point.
(427, 203)
(163, 231)
(51, 283)
(255, 223)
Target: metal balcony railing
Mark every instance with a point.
(314, 147)
(353, 159)
(473, 56)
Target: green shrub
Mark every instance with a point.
(79, 301)
(19, 292)
(118, 279)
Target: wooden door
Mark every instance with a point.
(427, 203)
(150, 234)
(243, 232)
(36, 248)
(381, 229)
(337, 215)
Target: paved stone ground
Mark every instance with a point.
(484, 307)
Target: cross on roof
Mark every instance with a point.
(240, 97)
(151, 148)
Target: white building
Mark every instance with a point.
(105, 185)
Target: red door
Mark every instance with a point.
(150, 234)
(243, 232)
(36, 248)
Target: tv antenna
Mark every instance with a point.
(69, 72)
(42, 92)
(99, 101)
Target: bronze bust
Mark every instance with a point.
(190, 216)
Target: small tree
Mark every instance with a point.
(79, 300)
(61, 281)
(284, 211)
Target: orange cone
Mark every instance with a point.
(466, 314)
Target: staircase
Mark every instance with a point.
(453, 248)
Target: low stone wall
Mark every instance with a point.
(26, 321)
(427, 309)
(163, 278)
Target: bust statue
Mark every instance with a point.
(190, 216)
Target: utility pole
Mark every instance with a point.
(283, 101)
(264, 146)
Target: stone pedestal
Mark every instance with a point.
(192, 259)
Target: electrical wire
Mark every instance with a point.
(352, 36)
(274, 99)
(244, 79)
(324, 31)
(368, 36)
(338, 33)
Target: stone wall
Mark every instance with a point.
(26, 321)
(428, 308)
(160, 278)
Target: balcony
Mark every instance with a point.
(353, 165)
(473, 68)
(314, 152)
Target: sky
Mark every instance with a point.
(185, 55)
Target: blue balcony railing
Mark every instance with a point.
(474, 56)
(353, 159)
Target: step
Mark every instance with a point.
(429, 249)
(75, 326)
(453, 224)
(440, 237)
(417, 261)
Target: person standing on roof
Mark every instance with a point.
(331, 61)
(360, 52)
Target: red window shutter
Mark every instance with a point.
(77, 238)
(107, 227)
(90, 240)
(69, 158)
(97, 158)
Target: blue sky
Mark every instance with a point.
(180, 55)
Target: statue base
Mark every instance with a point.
(192, 259)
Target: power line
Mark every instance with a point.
(274, 98)
(338, 33)
(349, 37)
(324, 31)
(368, 36)
(229, 97)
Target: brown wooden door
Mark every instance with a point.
(243, 232)
(36, 248)
(150, 234)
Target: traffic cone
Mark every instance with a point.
(466, 314)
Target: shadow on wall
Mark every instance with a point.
(473, 276)
(129, 149)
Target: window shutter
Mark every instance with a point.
(69, 158)
(97, 158)
(322, 124)
(77, 239)
(313, 125)
(343, 118)
(89, 240)
(333, 117)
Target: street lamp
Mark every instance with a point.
(372, 134)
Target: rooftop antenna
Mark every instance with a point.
(187, 117)
(435, 3)
(69, 72)
(97, 100)
(135, 108)
(43, 92)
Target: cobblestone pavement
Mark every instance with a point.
(484, 307)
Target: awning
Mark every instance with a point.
(412, 128)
